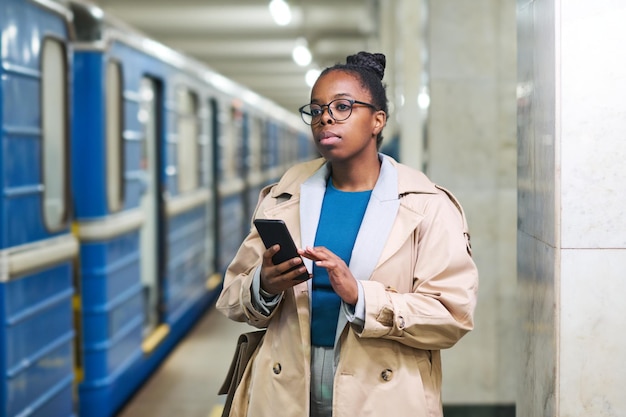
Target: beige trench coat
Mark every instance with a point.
(420, 287)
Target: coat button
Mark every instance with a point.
(277, 368)
(386, 375)
(401, 322)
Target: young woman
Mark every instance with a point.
(392, 278)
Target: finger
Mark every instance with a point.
(297, 275)
(288, 264)
(269, 253)
(328, 264)
(317, 253)
(296, 270)
(284, 275)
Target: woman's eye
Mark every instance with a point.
(316, 112)
(342, 107)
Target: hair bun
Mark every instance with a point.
(375, 62)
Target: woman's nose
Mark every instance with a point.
(327, 117)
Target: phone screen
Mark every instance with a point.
(274, 231)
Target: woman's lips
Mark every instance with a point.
(329, 138)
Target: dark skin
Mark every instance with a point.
(350, 147)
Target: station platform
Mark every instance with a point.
(186, 383)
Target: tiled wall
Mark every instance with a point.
(572, 195)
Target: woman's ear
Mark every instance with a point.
(380, 120)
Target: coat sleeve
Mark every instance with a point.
(438, 309)
(235, 300)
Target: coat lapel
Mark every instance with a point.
(290, 213)
(377, 223)
(311, 198)
(374, 231)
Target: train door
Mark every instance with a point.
(37, 248)
(151, 255)
(215, 189)
(245, 171)
(208, 121)
(256, 177)
(231, 184)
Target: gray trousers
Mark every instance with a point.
(322, 376)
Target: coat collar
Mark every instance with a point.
(379, 215)
(409, 180)
(305, 184)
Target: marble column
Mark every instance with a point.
(571, 200)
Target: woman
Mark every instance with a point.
(392, 278)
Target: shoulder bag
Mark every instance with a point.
(246, 345)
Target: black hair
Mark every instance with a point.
(370, 70)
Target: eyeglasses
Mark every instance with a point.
(339, 109)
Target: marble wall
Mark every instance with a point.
(571, 199)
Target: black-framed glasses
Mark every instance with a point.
(339, 109)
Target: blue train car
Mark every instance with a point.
(255, 142)
(305, 148)
(128, 175)
(37, 247)
(143, 191)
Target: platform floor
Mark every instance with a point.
(186, 384)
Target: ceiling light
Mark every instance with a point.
(311, 76)
(423, 99)
(280, 11)
(301, 55)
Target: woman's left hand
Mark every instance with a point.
(341, 279)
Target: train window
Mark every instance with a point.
(188, 152)
(206, 140)
(151, 97)
(227, 145)
(255, 146)
(114, 138)
(55, 133)
(236, 151)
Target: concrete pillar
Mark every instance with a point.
(387, 45)
(472, 152)
(410, 44)
(461, 55)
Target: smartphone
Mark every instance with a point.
(273, 231)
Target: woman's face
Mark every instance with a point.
(354, 137)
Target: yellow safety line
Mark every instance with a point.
(156, 337)
(76, 305)
(213, 281)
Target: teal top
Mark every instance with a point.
(340, 219)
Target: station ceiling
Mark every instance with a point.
(239, 38)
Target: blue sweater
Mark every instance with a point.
(340, 220)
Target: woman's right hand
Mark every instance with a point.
(275, 278)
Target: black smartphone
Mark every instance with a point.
(273, 231)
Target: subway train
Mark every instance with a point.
(129, 174)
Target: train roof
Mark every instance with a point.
(90, 26)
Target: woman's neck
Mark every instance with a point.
(361, 177)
